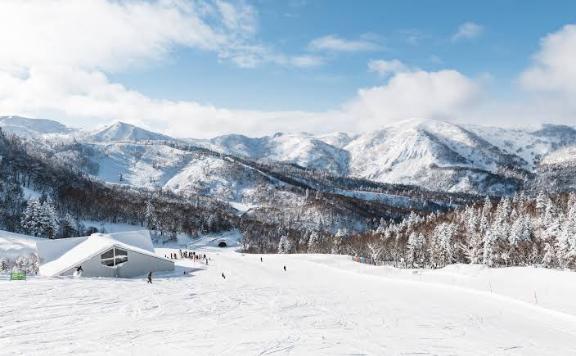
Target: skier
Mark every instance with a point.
(150, 277)
(261, 260)
(223, 276)
(284, 268)
(78, 272)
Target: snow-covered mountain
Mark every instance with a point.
(436, 155)
(122, 132)
(301, 149)
(32, 128)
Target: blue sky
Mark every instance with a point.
(418, 33)
(193, 68)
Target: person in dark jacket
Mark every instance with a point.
(150, 277)
(223, 276)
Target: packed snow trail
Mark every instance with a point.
(314, 308)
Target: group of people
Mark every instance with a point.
(196, 257)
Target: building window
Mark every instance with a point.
(114, 257)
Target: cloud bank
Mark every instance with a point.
(57, 56)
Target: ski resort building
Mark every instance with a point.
(125, 255)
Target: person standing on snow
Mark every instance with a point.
(284, 268)
(150, 277)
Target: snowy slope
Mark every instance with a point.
(302, 149)
(322, 305)
(530, 145)
(434, 154)
(141, 165)
(564, 156)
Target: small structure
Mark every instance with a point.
(124, 255)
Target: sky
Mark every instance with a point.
(206, 68)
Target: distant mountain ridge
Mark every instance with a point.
(436, 155)
(30, 128)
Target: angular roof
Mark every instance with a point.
(86, 249)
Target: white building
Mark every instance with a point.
(127, 254)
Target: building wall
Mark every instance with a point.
(138, 265)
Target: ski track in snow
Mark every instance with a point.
(320, 306)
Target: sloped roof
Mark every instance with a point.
(83, 251)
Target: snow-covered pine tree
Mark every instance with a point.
(150, 216)
(31, 218)
(314, 243)
(567, 236)
(284, 245)
(49, 219)
(338, 241)
(415, 249)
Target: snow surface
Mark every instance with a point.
(322, 305)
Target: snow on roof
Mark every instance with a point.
(90, 247)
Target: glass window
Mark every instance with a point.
(114, 257)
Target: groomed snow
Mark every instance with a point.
(322, 305)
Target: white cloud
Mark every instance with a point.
(306, 61)
(553, 69)
(467, 31)
(388, 67)
(110, 35)
(443, 94)
(338, 44)
(56, 56)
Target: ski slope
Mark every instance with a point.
(322, 305)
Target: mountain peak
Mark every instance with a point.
(122, 131)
